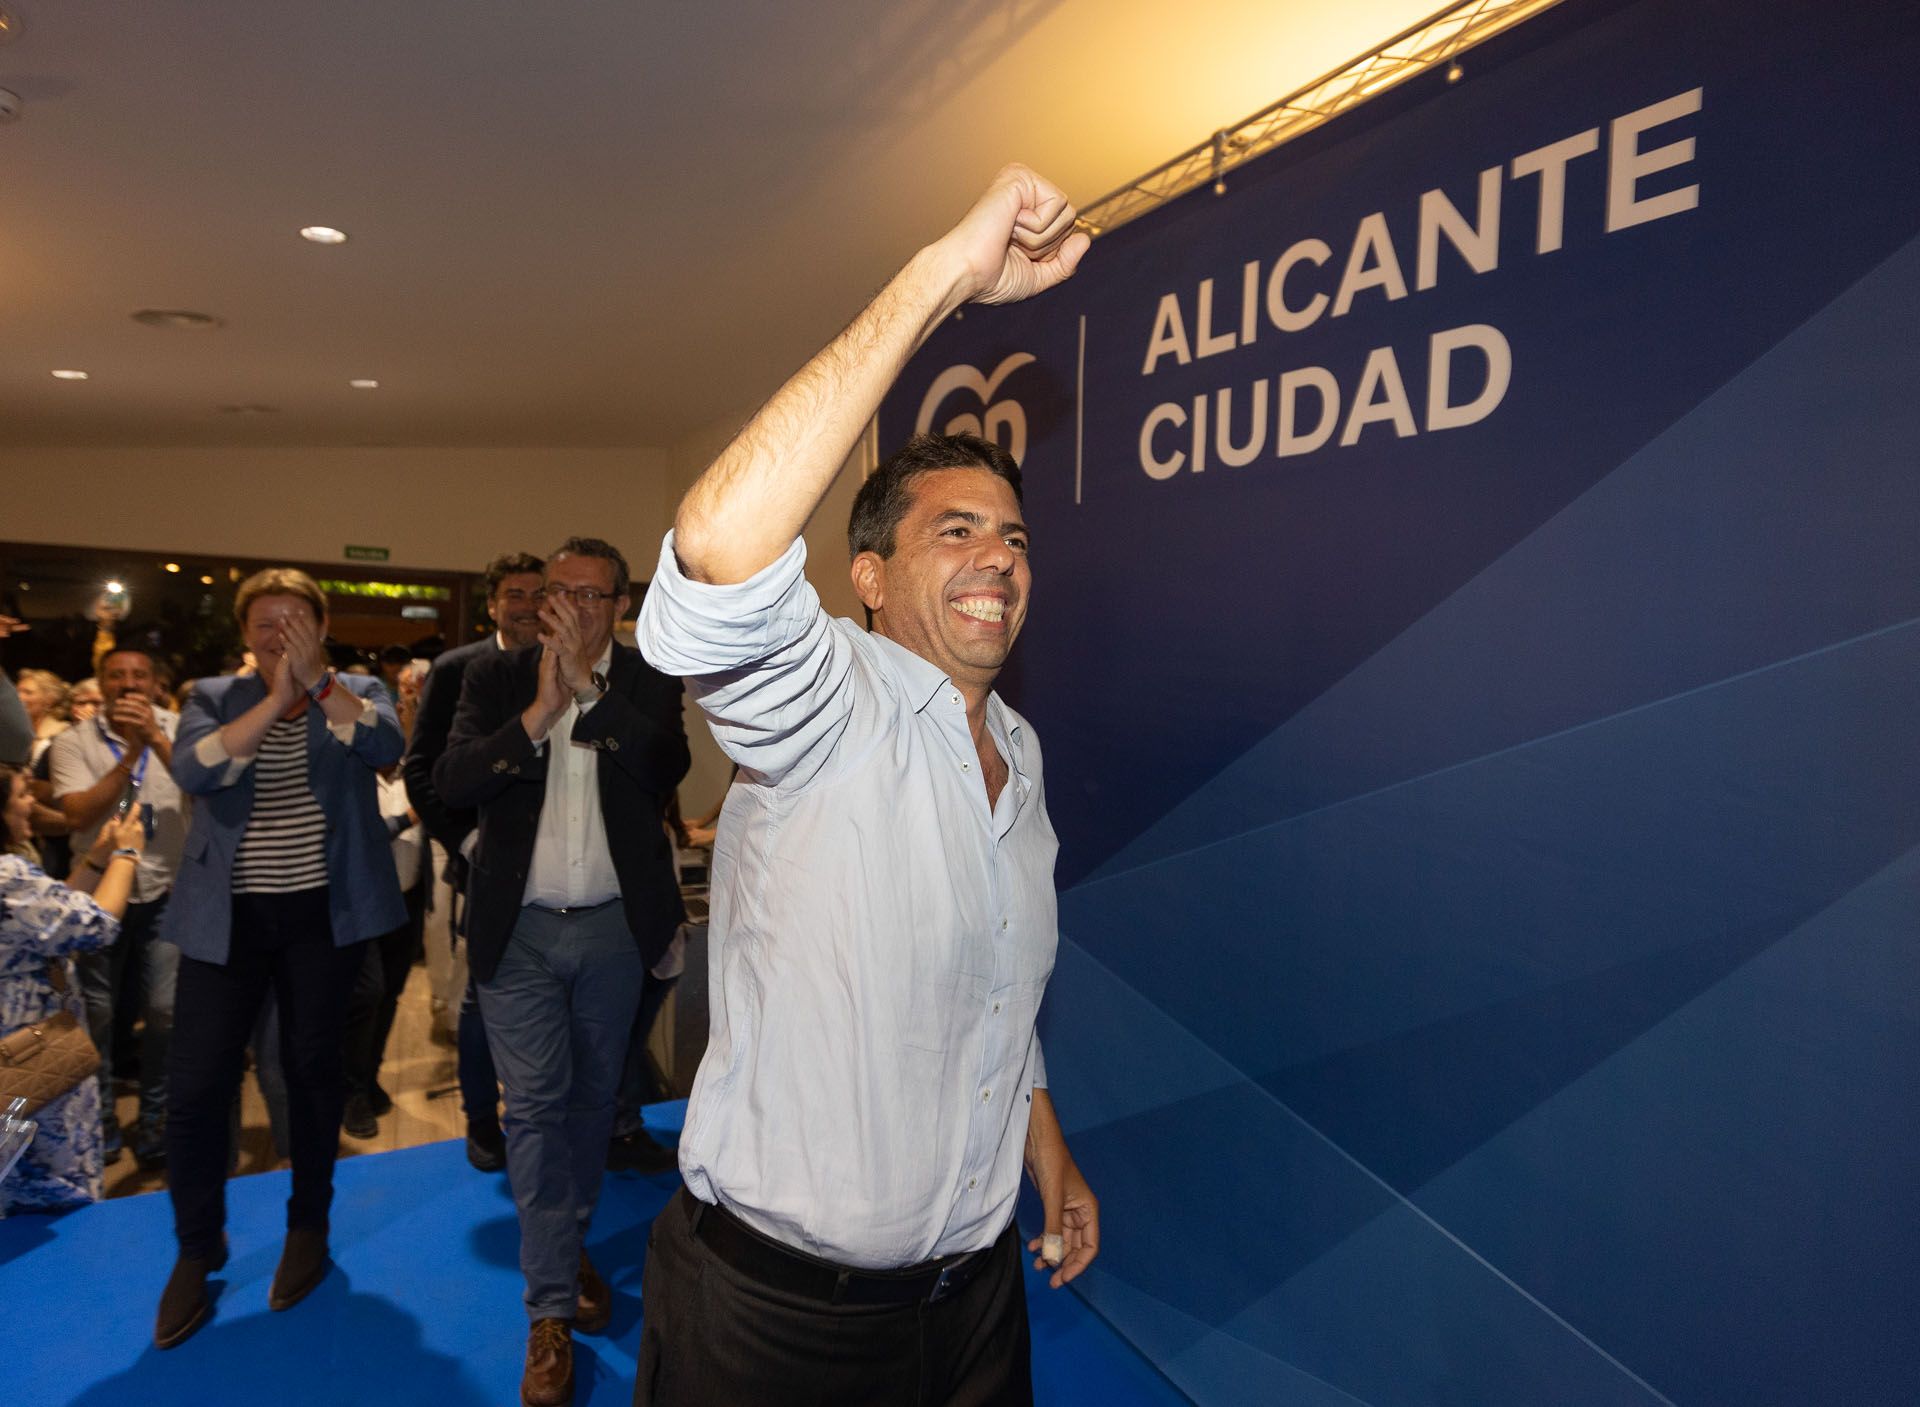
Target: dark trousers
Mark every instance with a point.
(376, 996)
(712, 1337)
(479, 1082)
(637, 1083)
(133, 979)
(282, 943)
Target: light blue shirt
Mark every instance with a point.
(880, 937)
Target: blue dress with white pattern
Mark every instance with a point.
(42, 919)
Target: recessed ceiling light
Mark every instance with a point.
(364, 383)
(206, 581)
(179, 318)
(323, 234)
(68, 374)
(171, 566)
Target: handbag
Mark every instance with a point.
(41, 1062)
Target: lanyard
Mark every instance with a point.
(139, 774)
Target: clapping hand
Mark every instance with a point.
(134, 720)
(560, 637)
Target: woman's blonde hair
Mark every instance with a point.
(279, 581)
(61, 707)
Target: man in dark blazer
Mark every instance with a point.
(569, 751)
(515, 589)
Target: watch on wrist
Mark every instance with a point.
(595, 691)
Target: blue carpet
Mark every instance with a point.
(422, 1307)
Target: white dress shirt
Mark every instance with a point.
(880, 936)
(572, 866)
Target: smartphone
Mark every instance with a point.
(146, 819)
(125, 804)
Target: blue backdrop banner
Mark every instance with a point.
(1476, 642)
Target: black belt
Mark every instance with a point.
(782, 1268)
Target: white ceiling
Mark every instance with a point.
(577, 223)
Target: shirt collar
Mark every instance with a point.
(922, 682)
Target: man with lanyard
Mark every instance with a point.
(123, 754)
(883, 914)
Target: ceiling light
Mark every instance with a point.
(171, 566)
(206, 581)
(323, 234)
(68, 374)
(9, 27)
(179, 318)
(116, 586)
(364, 383)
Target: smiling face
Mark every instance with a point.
(955, 589)
(515, 607)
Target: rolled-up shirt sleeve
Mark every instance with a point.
(767, 665)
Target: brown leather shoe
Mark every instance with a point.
(185, 1304)
(303, 1264)
(548, 1381)
(595, 1307)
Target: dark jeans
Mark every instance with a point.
(282, 943)
(712, 1337)
(376, 996)
(140, 965)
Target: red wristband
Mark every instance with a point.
(325, 689)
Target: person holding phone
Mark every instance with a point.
(42, 923)
(285, 875)
(116, 764)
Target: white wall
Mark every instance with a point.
(440, 509)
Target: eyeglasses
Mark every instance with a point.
(580, 595)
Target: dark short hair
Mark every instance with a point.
(511, 564)
(134, 646)
(887, 494)
(596, 547)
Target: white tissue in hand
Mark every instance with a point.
(1053, 1249)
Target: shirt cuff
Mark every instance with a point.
(693, 628)
(213, 755)
(368, 715)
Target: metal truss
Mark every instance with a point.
(1437, 40)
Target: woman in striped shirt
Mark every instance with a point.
(286, 875)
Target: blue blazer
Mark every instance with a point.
(363, 888)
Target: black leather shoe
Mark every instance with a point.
(486, 1146)
(185, 1304)
(636, 1152)
(379, 1101)
(358, 1119)
(303, 1264)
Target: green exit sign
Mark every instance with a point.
(366, 554)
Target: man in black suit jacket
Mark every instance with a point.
(515, 588)
(569, 751)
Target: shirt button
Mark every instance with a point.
(954, 697)
(1003, 924)
(996, 1008)
(985, 1095)
(972, 1183)
(966, 766)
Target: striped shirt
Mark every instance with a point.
(285, 845)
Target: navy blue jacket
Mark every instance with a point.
(492, 766)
